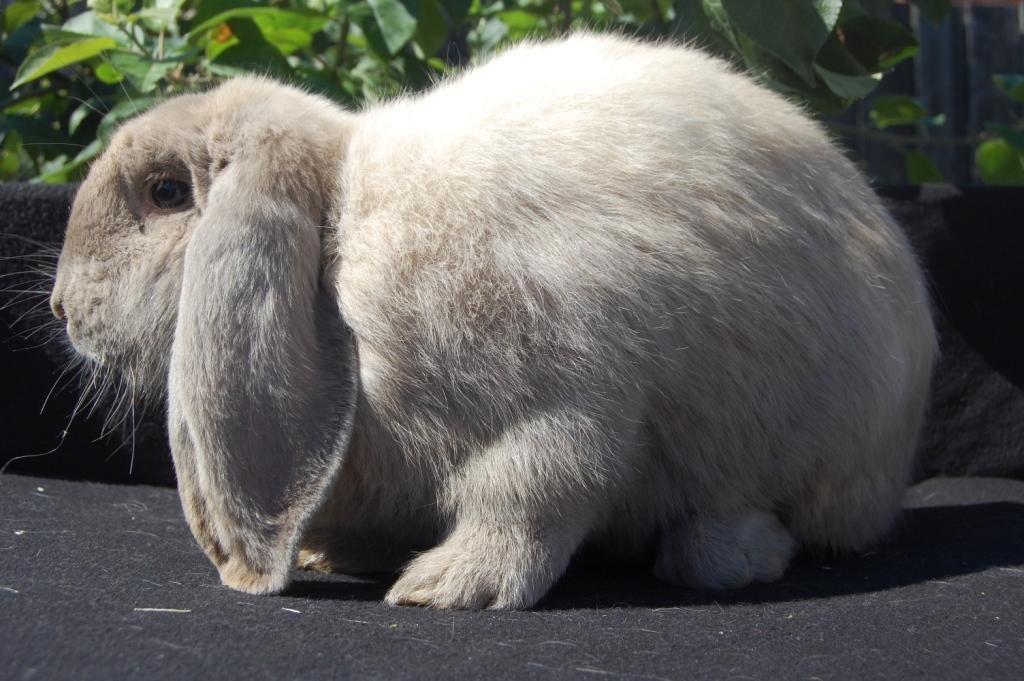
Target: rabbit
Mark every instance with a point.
(592, 292)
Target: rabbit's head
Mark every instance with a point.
(119, 278)
(192, 265)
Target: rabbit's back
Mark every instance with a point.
(597, 220)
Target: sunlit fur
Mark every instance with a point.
(599, 292)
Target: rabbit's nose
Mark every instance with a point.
(57, 305)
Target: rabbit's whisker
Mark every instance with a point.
(41, 344)
(63, 438)
(98, 392)
(42, 267)
(22, 457)
(84, 389)
(44, 301)
(42, 245)
(14, 301)
(94, 94)
(86, 103)
(55, 328)
(42, 320)
(37, 291)
(114, 418)
(67, 367)
(131, 405)
(54, 144)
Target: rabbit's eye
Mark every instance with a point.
(168, 194)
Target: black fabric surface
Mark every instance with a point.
(100, 581)
(970, 241)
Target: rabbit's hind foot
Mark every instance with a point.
(711, 553)
(314, 561)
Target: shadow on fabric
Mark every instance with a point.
(932, 544)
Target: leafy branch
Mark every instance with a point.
(82, 67)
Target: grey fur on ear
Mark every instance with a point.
(263, 380)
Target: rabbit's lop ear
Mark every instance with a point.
(263, 376)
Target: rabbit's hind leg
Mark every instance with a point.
(712, 553)
(520, 509)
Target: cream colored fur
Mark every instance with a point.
(599, 292)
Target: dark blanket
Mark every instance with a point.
(101, 581)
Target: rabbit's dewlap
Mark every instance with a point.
(593, 290)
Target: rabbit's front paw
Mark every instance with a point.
(237, 575)
(479, 569)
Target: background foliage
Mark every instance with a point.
(72, 70)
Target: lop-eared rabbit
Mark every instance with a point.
(593, 291)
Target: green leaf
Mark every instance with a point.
(999, 163)
(270, 20)
(1012, 135)
(935, 10)
(490, 35)
(875, 7)
(161, 15)
(286, 39)
(9, 163)
(144, 73)
(431, 29)
(920, 169)
(122, 7)
(253, 53)
(371, 40)
(693, 22)
(18, 44)
(1012, 85)
(78, 116)
(792, 30)
(220, 40)
(847, 86)
(819, 96)
(49, 59)
(26, 107)
(457, 10)
(520, 23)
(843, 74)
(877, 44)
(108, 74)
(92, 25)
(206, 9)
(712, 22)
(61, 170)
(890, 110)
(396, 24)
(17, 14)
(829, 11)
(638, 11)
